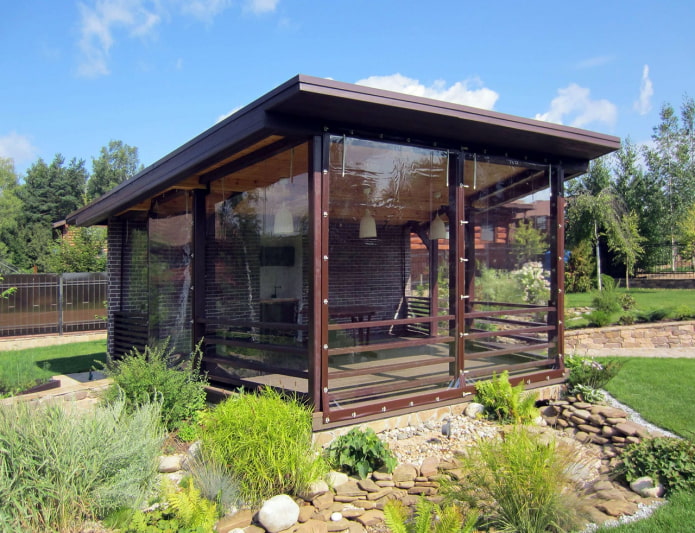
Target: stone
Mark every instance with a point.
(371, 517)
(352, 512)
(356, 527)
(239, 520)
(315, 488)
(583, 405)
(365, 504)
(473, 410)
(549, 411)
(170, 463)
(595, 420)
(323, 501)
(628, 428)
(335, 479)
(338, 525)
(335, 516)
(349, 489)
(385, 484)
(429, 466)
(378, 495)
(614, 421)
(306, 512)
(647, 488)
(588, 428)
(382, 476)
(405, 484)
(608, 412)
(404, 472)
(312, 526)
(427, 491)
(278, 513)
(617, 507)
(368, 485)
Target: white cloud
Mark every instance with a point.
(204, 10)
(261, 6)
(229, 114)
(574, 104)
(17, 147)
(468, 92)
(597, 61)
(643, 104)
(97, 27)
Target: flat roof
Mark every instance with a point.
(306, 104)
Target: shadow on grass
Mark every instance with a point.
(76, 363)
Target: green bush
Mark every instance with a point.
(429, 517)
(265, 442)
(518, 483)
(627, 301)
(681, 312)
(59, 469)
(599, 319)
(497, 285)
(141, 377)
(359, 453)
(589, 372)
(607, 301)
(504, 402)
(668, 460)
(580, 269)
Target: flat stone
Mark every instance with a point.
(356, 527)
(353, 512)
(170, 463)
(338, 525)
(429, 466)
(371, 517)
(349, 489)
(595, 420)
(583, 405)
(323, 501)
(647, 488)
(305, 513)
(405, 484)
(382, 476)
(368, 485)
(404, 472)
(312, 526)
(316, 488)
(335, 479)
(365, 504)
(383, 484)
(617, 507)
(345, 499)
(238, 520)
(629, 428)
(427, 491)
(588, 428)
(614, 421)
(608, 412)
(380, 494)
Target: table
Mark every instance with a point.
(356, 313)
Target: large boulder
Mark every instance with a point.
(278, 513)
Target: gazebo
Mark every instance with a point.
(374, 252)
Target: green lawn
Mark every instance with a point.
(20, 368)
(647, 299)
(661, 390)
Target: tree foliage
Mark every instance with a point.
(116, 163)
(82, 250)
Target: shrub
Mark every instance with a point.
(359, 453)
(141, 377)
(589, 372)
(534, 282)
(682, 312)
(265, 442)
(59, 469)
(504, 402)
(599, 319)
(668, 460)
(497, 285)
(518, 483)
(580, 269)
(429, 518)
(606, 300)
(626, 319)
(627, 301)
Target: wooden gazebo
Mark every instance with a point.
(352, 245)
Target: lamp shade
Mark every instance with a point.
(283, 224)
(437, 229)
(367, 226)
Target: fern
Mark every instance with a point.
(505, 402)
(191, 508)
(429, 517)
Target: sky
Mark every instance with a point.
(156, 73)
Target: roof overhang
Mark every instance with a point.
(306, 104)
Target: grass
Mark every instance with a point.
(21, 368)
(647, 299)
(661, 390)
(677, 516)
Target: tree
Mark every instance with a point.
(625, 242)
(528, 242)
(670, 162)
(10, 208)
(686, 233)
(116, 163)
(82, 250)
(51, 192)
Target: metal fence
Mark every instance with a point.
(52, 303)
(666, 261)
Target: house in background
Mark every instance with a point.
(329, 239)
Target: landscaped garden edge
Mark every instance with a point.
(662, 335)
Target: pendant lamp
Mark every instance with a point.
(437, 228)
(367, 226)
(283, 224)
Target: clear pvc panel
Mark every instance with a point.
(388, 266)
(170, 270)
(508, 307)
(257, 271)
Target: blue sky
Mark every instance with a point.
(155, 73)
